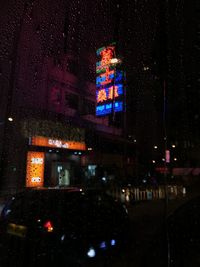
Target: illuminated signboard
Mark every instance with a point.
(57, 143)
(109, 83)
(35, 169)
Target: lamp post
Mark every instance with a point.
(114, 61)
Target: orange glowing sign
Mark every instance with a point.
(101, 96)
(57, 143)
(110, 95)
(35, 169)
(107, 93)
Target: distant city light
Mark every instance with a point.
(175, 159)
(153, 161)
(10, 119)
(173, 146)
(155, 147)
(62, 237)
(146, 68)
(163, 159)
(91, 253)
(113, 242)
(135, 141)
(103, 245)
(89, 148)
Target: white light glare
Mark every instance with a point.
(91, 253)
(113, 242)
(115, 60)
(62, 237)
(10, 119)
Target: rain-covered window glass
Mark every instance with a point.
(71, 100)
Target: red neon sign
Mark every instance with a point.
(107, 54)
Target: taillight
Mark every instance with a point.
(48, 226)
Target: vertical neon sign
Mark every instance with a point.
(109, 83)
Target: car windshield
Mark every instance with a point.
(99, 128)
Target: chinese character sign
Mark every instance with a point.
(109, 83)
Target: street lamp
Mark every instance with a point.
(10, 119)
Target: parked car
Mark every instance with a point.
(39, 227)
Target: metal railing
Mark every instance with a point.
(135, 194)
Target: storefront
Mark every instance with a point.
(54, 162)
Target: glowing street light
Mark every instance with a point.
(146, 68)
(10, 119)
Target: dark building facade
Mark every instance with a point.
(175, 66)
(47, 77)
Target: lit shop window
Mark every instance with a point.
(35, 169)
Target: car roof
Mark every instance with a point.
(61, 190)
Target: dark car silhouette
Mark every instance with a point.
(184, 235)
(66, 226)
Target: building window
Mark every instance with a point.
(72, 66)
(89, 107)
(92, 170)
(55, 97)
(71, 101)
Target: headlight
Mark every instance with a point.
(91, 253)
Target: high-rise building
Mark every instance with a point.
(47, 63)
